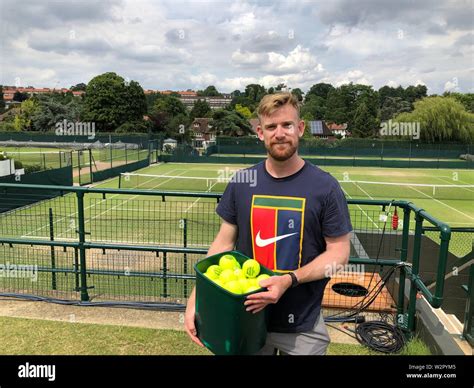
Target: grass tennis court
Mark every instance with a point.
(134, 219)
(446, 194)
(449, 198)
(56, 157)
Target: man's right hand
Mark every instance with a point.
(189, 318)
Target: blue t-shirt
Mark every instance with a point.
(282, 223)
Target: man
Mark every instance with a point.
(295, 221)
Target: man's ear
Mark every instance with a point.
(260, 132)
(301, 128)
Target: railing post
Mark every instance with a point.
(445, 236)
(468, 332)
(415, 271)
(403, 258)
(53, 254)
(185, 261)
(91, 180)
(165, 277)
(82, 250)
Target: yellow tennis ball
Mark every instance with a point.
(219, 283)
(262, 277)
(251, 268)
(214, 271)
(227, 262)
(234, 287)
(252, 282)
(239, 274)
(251, 288)
(227, 275)
(244, 283)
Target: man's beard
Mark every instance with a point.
(281, 154)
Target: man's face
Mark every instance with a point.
(281, 132)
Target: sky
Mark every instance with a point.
(182, 45)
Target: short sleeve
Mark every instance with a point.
(226, 206)
(336, 220)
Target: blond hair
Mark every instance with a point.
(271, 102)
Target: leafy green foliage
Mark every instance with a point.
(110, 101)
(201, 108)
(230, 123)
(441, 119)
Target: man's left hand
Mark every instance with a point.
(276, 285)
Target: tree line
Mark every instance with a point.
(115, 105)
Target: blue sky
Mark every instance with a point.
(191, 44)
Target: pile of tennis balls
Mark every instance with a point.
(234, 278)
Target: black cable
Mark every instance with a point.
(380, 336)
(69, 302)
(342, 331)
(373, 273)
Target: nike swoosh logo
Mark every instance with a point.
(267, 241)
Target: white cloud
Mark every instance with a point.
(451, 86)
(233, 44)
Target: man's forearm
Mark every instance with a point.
(325, 265)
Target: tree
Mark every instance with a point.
(441, 119)
(307, 129)
(337, 106)
(22, 121)
(109, 101)
(236, 93)
(170, 105)
(413, 93)
(168, 114)
(244, 111)
(2, 101)
(314, 108)
(20, 97)
(201, 108)
(319, 90)
(343, 102)
(467, 99)
(364, 123)
(151, 99)
(78, 87)
(255, 93)
(230, 123)
(51, 110)
(210, 91)
(298, 93)
(393, 106)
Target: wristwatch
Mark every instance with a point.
(294, 279)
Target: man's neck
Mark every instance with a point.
(278, 169)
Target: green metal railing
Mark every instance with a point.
(468, 332)
(126, 244)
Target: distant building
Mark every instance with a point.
(204, 135)
(254, 123)
(169, 144)
(339, 129)
(318, 128)
(189, 97)
(214, 102)
(9, 92)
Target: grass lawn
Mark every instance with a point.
(36, 337)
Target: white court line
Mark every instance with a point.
(200, 197)
(362, 210)
(364, 191)
(119, 204)
(74, 213)
(442, 203)
(454, 186)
